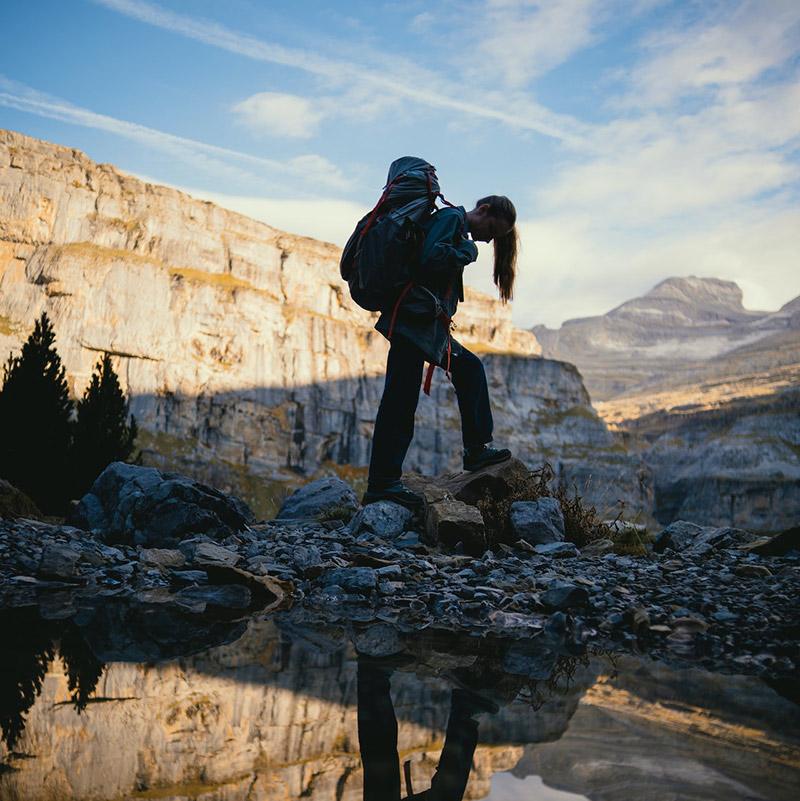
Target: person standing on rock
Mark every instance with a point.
(419, 330)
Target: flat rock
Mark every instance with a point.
(318, 497)
(497, 480)
(557, 550)
(538, 522)
(162, 557)
(379, 640)
(207, 553)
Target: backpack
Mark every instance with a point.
(381, 256)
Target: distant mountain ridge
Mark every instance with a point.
(678, 323)
(705, 391)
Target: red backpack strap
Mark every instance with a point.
(384, 197)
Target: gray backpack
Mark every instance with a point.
(381, 256)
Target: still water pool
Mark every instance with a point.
(132, 701)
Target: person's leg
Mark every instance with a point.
(472, 391)
(477, 425)
(377, 732)
(452, 773)
(394, 423)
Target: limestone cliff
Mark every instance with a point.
(243, 355)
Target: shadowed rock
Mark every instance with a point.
(142, 506)
(451, 521)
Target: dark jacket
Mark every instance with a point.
(439, 286)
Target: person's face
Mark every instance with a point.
(484, 227)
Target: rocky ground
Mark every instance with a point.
(709, 596)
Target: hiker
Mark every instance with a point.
(418, 327)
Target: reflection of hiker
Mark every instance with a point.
(418, 328)
(377, 737)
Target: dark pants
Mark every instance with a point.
(377, 738)
(394, 424)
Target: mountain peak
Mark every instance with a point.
(697, 290)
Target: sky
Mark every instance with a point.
(638, 139)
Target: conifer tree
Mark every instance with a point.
(102, 434)
(35, 424)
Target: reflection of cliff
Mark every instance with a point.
(256, 720)
(260, 719)
(239, 344)
(665, 734)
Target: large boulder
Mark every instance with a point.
(318, 497)
(142, 506)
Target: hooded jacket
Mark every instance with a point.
(438, 286)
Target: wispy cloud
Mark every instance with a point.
(715, 54)
(423, 86)
(208, 157)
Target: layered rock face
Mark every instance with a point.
(244, 357)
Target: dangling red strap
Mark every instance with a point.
(397, 306)
(426, 387)
(449, 290)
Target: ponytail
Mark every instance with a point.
(505, 247)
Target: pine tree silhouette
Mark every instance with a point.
(35, 421)
(102, 434)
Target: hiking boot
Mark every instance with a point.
(483, 456)
(394, 492)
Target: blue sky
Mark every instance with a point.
(639, 139)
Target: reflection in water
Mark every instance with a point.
(30, 645)
(377, 730)
(256, 718)
(506, 787)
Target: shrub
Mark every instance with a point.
(581, 524)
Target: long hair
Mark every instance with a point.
(505, 247)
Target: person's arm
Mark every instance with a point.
(447, 249)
